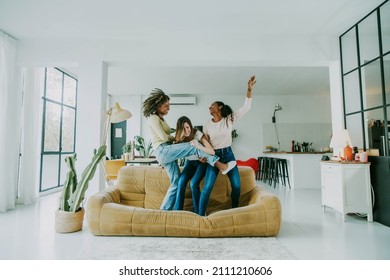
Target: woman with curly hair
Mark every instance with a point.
(155, 107)
(219, 132)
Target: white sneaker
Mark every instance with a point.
(231, 165)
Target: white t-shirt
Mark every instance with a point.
(220, 133)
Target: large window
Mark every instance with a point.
(365, 60)
(58, 128)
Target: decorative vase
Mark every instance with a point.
(67, 222)
(348, 153)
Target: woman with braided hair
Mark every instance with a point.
(155, 107)
(219, 132)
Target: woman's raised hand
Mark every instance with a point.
(251, 82)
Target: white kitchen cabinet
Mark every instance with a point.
(346, 187)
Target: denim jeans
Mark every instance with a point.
(225, 155)
(192, 169)
(167, 155)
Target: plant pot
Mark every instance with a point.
(128, 156)
(66, 222)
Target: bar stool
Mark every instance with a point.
(266, 169)
(284, 172)
(261, 167)
(258, 173)
(272, 171)
(277, 175)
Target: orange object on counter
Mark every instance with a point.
(348, 153)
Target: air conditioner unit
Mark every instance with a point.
(182, 100)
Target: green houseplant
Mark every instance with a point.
(145, 149)
(127, 148)
(127, 151)
(73, 192)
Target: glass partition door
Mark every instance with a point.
(365, 60)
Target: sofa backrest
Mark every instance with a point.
(145, 186)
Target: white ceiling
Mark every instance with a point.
(197, 47)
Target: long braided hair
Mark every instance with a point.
(156, 98)
(226, 111)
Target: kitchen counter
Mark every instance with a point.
(304, 167)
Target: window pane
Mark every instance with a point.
(355, 129)
(349, 50)
(59, 121)
(64, 169)
(386, 66)
(49, 172)
(70, 87)
(388, 130)
(68, 127)
(385, 26)
(54, 84)
(375, 130)
(352, 92)
(372, 85)
(368, 38)
(52, 127)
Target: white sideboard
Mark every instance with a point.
(346, 187)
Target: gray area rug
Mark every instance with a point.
(169, 248)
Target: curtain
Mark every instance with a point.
(33, 79)
(10, 108)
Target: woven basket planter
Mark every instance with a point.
(66, 222)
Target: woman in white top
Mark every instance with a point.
(219, 132)
(155, 107)
(194, 167)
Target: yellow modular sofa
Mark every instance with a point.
(132, 207)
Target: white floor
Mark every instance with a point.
(27, 233)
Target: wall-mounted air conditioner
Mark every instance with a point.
(182, 100)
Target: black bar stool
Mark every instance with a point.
(284, 173)
(258, 173)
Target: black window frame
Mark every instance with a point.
(360, 94)
(60, 153)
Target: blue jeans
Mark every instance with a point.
(192, 169)
(225, 155)
(167, 155)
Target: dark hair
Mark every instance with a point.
(180, 127)
(226, 111)
(156, 98)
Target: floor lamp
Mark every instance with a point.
(113, 115)
(277, 108)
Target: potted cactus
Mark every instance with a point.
(69, 217)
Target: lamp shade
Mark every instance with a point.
(118, 114)
(340, 139)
